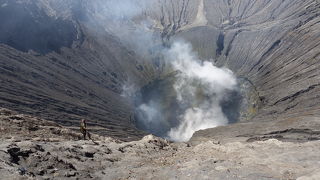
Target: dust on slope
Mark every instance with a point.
(32, 148)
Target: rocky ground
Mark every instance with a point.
(32, 148)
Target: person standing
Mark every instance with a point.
(83, 128)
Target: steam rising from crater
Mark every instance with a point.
(199, 86)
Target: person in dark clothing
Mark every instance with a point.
(83, 128)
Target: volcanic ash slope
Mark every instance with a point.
(32, 148)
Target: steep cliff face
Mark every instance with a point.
(44, 74)
(274, 44)
(65, 60)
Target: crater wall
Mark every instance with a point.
(79, 69)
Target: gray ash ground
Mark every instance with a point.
(32, 148)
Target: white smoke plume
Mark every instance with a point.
(150, 113)
(201, 87)
(129, 89)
